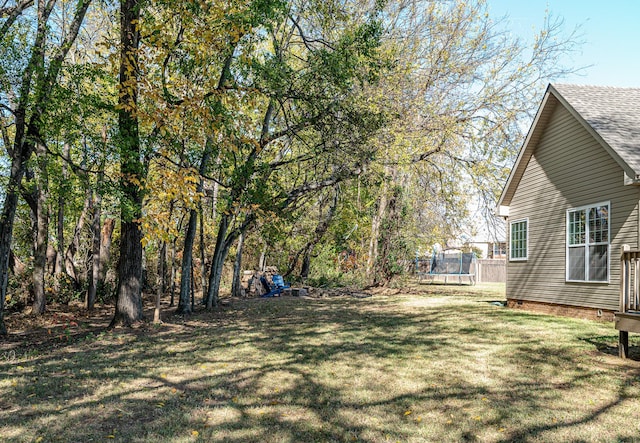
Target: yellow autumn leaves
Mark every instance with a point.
(164, 186)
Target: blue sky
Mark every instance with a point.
(610, 30)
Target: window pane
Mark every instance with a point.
(577, 227)
(598, 224)
(598, 262)
(576, 263)
(518, 239)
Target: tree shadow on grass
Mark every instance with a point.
(608, 344)
(304, 370)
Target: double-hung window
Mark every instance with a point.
(588, 243)
(518, 239)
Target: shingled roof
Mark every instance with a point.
(611, 115)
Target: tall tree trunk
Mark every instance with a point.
(6, 226)
(42, 232)
(217, 262)
(383, 270)
(224, 240)
(172, 275)
(162, 259)
(61, 205)
(375, 232)
(203, 264)
(237, 269)
(162, 267)
(189, 239)
(129, 292)
(94, 276)
(105, 248)
(184, 302)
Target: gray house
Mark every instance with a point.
(572, 201)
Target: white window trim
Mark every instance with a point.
(566, 247)
(510, 250)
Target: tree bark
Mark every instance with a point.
(203, 264)
(129, 292)
(42, 233)
(6, 227)
(16, 266)
(189, 239)
(172, 275)
(105, 247)
(375, 230)
(161, 281)
(217, 261)
(94, 276)
(262, 261)
(237, 269)
(382, 270)
(61, 205)
(184, 302)
(224, 240)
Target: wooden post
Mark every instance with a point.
(623, 344)
(623, 280)
(623, 341)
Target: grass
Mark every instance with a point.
(433, 363)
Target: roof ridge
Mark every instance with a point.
(576, 85)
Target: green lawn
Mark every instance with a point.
(435, 363)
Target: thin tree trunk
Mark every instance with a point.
(105, 248)
(189, 239)
(129, 293)
(161, 281)
(217, 262)
(375, 232)
(224, 240)
(383, 271)
(162, 267)
(307, 250)
(172, 276)
(72, 249)
(262, 262)
(237, 269)
(42, 233)
(306, 262)
(6, 230)
(203, 264)
(184, 302)
(94, 276)
(61, 205)
(193, 292)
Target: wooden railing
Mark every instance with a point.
(628, 318)
(629, 280)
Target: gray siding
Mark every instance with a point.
(568, 169)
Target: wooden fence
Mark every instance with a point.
(492, 270)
